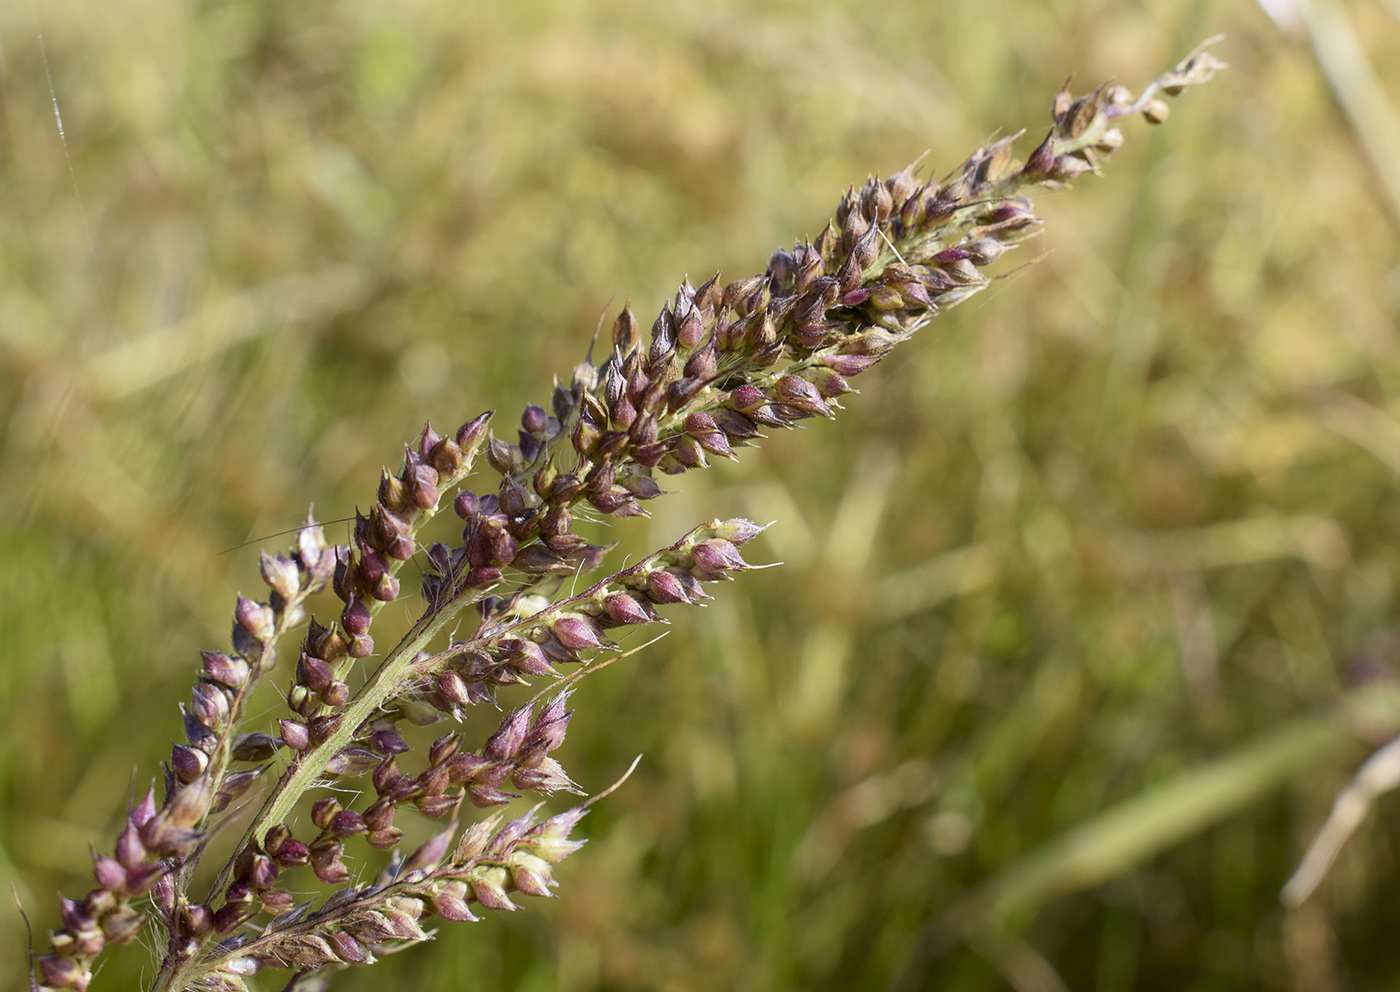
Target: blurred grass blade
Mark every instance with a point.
(1379, 774)
(1126, 835)
(1144, 825)
(1024, 968)
(1358, 90)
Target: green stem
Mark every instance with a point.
(309, 767)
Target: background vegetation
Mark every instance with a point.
(1089, 602)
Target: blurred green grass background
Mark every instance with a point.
(1089, 602)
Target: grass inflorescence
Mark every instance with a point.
(723, 363)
